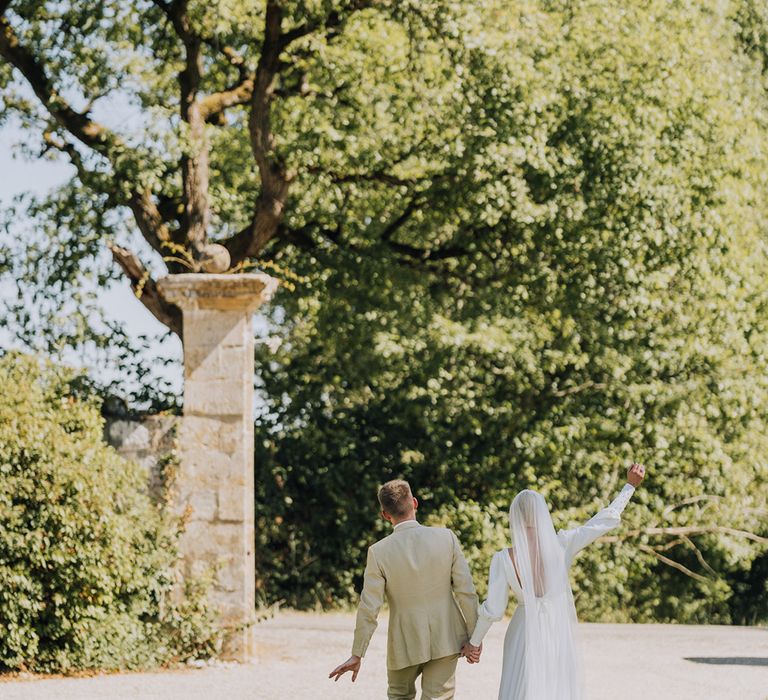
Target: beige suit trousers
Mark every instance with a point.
(438, 680)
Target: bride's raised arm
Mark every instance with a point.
(495, 605)
(575, 540)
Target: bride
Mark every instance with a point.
(541, 659)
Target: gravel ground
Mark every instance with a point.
(295, 653)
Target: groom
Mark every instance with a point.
(432, 601)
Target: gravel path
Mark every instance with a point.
(297, 651)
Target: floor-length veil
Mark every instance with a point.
(551, 666)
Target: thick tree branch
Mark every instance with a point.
(145, 289)
(82, 127)
(170, 208)
(331, 23)
(149, 219)
(400, 220)
(275, 180)
(413, 257)
(89, 132)
(213, 105)
(195, 162)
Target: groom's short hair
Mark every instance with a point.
(395, 497)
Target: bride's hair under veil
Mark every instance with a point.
(551, 663)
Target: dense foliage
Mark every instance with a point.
(616, 313)
(87, 560)
(530, 245)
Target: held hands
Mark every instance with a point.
(351, 664)
(472, 653)
(635, 474)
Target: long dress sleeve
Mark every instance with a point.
(608, 518)
(495, 605)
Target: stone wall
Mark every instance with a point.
(148, 440)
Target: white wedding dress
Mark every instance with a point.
(541, 657)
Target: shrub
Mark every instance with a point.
(87, 559)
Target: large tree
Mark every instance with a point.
(257, 123)
(616, 313)
(528, 240)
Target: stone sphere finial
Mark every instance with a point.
(214, 258)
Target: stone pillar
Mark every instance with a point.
(215, 481)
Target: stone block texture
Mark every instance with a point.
(214, 485)
(148, 441)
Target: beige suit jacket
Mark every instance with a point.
(432, 600)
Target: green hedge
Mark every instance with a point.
(607, 303)
(87, 559)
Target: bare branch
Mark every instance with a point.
(689, 501)
(145, 289)
(686, 532)
(67, 148)
(673, 563)
(690, 544)
(669, 545)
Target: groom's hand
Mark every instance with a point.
(472, 653)
(351, 664)
(636, 474)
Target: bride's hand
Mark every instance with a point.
(636, 474)
(471, 653)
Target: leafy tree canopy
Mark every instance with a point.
(530, 247)
(616, 313)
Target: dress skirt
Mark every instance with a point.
(512, 685)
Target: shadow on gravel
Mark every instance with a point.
(729, 660)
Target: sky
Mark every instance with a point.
(17, 175)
